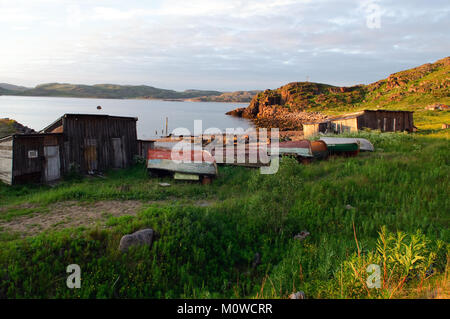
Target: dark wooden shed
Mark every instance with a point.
(97, 142)
(87, 143)
(383, 120)
(31, 158)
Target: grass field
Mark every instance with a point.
(389, 208)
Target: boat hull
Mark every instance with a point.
(364, 144)
(348, 149)
(194, 162)
(304, 149)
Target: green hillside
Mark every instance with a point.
(412, 89)
(236, 97)
(408, 89)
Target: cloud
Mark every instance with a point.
(217, 44)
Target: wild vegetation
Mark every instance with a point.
(389, 208)
(8, 127)
(410, 90)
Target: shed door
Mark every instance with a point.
(90, 155)
(118, 153)
(52, 163)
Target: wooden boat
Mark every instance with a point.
(304, 149)
(251, 155)
(188, 165)
(364, 145)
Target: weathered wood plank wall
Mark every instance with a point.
(6, 156)
(80, 132)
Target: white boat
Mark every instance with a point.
(364, 145)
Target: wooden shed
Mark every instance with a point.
(383, 120)
(87, 143)
(96, 142)
(31, 158)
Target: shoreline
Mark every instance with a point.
(123, 98)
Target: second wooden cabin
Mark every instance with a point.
(383, 120)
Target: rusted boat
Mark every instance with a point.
(304, 149)
(248, 155)
(182, 164)
(364, 145)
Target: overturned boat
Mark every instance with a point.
(364, 145)
(348, 148)
(304, 149)
(248, 155)
(182, 164)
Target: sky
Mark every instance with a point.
(222, 45)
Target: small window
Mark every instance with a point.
(33, 154)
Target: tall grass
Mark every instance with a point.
(208, 252)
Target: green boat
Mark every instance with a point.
(349, 149)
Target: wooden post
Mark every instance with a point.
(167, 124)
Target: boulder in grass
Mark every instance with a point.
(302, 235)
(297, 295)
(139, 238)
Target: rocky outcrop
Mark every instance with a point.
(9, 127)
(286, 107)
(290, 105)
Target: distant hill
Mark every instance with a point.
(111, 91)
(236, 97)
(12, 87)
(5, 92)
(114, 91)
(108, 91)
(407, 90)
(9, 127)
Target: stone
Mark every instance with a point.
(164, 184)
(256, 260)
(141, 237)
(302, 235)
(297, 295)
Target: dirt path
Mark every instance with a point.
(70, 214)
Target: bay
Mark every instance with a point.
(38, 112)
